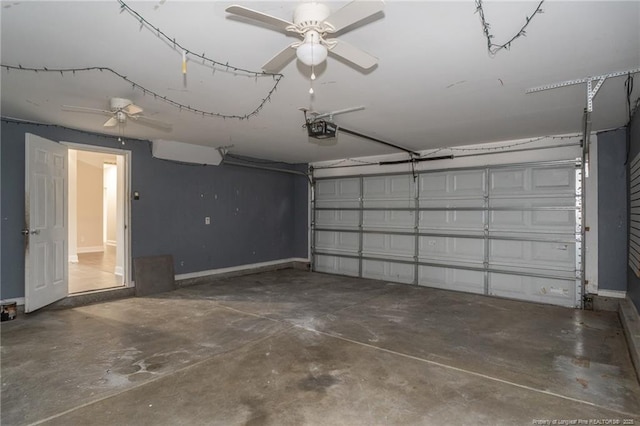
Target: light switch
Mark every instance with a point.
(207, 220)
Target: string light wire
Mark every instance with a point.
(494, 48)
(179, 47)
(146, 91)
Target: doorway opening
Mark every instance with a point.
(98, 214)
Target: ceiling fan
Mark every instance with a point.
(120, 111)
(312, 22)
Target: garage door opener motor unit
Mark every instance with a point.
(321, 129)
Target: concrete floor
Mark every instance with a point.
(298, 348)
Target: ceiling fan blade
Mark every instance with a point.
(280, 60)
(84, 109)
(259, 16)
(352, 54)
(162, 125)
(353, 12)
(112, 122)
(132, 109)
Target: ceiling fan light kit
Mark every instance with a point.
(311, 52)
(313, 22)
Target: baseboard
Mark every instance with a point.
(182, 280)
(92, 249)
(73, 258)
(617, 294)
(193, 278)
(119, 271)
(631, 326)
(111, 243)
(17, 300)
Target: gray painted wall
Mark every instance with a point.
(612, 215)
(253, 212)
(633, 282)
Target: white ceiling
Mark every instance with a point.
(435, 85)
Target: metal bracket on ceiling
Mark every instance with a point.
(592, 90)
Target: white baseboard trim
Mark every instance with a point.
(238, 268)
(92, 249)
(111, 243)
(119, 271)
(616, 294)
(18, 301)
(73, 258)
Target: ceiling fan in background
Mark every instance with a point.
(120, 111)
(313, 22)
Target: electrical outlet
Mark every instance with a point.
(207, 220)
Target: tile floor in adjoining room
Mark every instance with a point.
(94, 271)
(297, 348)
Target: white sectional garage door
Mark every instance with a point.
(510, 231)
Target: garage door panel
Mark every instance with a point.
(557, 253)
(338, 193)
(388, 219)
(533, 201)
(532, 255)
(452, 202)
(508, 181)
(451, 279)
(433, 184)
(544, 290)
(550, 180)
(451, 249)
(468, 182)
(500, 219)
(336, 265)
(459, 183)
(533, 180)
(558, 221)
(337, 241)
(399, 246)
(554, 219)
(389, 191)
(337, 218)
(396, 272)
(467, 218)
(507, 231)
(506, 251)
(451, 220)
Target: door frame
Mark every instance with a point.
(126, 276)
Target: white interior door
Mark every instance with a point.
(46, 250)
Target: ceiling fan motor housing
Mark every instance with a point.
(121, 117)
(311, 15)
(119, 103)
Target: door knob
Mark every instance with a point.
(27, 232)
